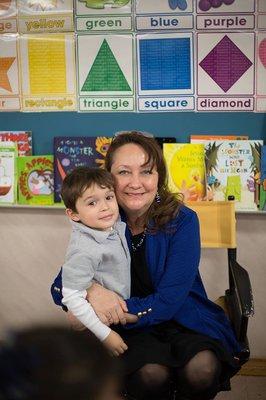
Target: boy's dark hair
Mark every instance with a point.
(51, 363)
(80, 179)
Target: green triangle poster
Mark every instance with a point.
(105, 74)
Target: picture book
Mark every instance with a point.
(186, 168)
(232, 169)
(8, 183)
(164, 139)
(217, 137)
(72, 152)
(262, 203)
(36, 180)
(22, 138)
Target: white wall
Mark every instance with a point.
(32, 247)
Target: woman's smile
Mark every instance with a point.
(136, 182)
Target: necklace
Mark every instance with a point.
(136, 246)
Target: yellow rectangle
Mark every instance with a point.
(47, 64)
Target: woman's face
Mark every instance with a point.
(136, 183)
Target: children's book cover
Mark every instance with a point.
(8, 184)
(232, 169)
(186, 170)
(72, 152)
(22, 138)
(262, 203)
(194, 138)
(36, 180)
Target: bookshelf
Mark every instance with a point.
(62, 207)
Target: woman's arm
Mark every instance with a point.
(181, 268)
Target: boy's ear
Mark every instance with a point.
(72, 215)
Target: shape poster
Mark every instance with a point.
(48, 72)
(165, 72)
(225, 15)
(164, 15)
(45, 16)
(225, 71)
(261, 72)
(8, 16)
(103, 15)
(105, 72)
(9, 75)
(261, 14)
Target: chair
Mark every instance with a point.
(218, 230)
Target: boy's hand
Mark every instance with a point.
(131, 318)
(115, 343)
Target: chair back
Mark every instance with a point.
(217, 223)
(218, 230)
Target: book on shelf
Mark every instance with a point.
(217, 137)
(8, 173)
(22, 138)
(186, 169)
(262, 203)
(71, 152)
(232, 169)
(165, 139)
(35, 180)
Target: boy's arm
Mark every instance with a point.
(76, 302)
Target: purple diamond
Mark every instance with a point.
(225, 63)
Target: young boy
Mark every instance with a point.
(97, 249)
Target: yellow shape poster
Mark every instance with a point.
(8, 16)
(9, 76)
(48, 72)
(45, 16)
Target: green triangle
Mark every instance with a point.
(105, 74)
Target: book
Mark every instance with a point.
(22, 138)
(186, 169)
(35, 180)
(232, 170)
(8, 183)
(162, 140)
(217, 137)
(262, 202)
(71, 152)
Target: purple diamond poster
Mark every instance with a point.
(225, 71)
(261, 72)
(71, 152)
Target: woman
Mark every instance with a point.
(180, 335)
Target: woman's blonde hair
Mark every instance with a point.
(166, 204)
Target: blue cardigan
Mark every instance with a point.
(173, 258)
(173, 261)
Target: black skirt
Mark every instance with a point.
(172, 345)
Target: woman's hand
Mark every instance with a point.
(108, 305)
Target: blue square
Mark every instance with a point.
(165, 64)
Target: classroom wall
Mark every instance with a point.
(180, 125)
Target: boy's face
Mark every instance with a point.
(96, 208)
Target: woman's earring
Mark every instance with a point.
(157, 198)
